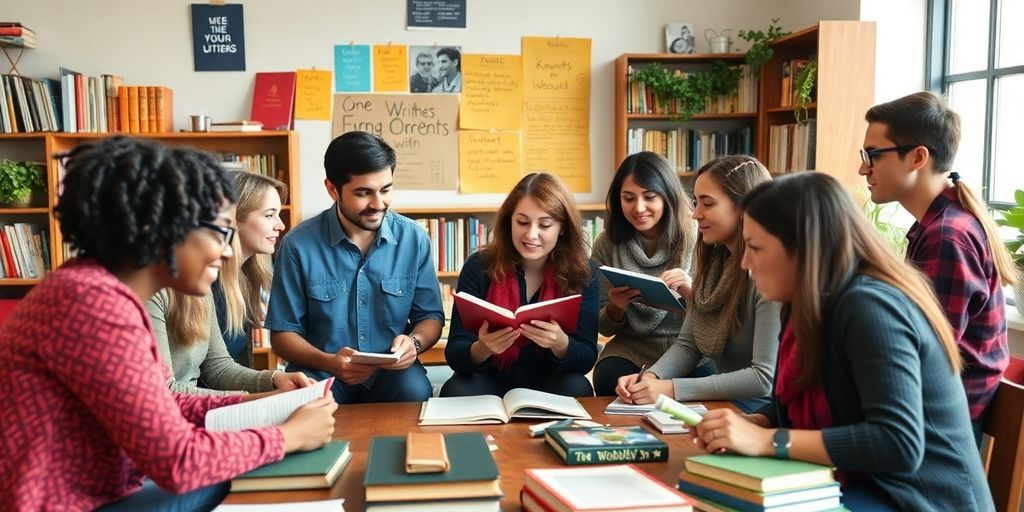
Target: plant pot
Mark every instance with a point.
(19, 202)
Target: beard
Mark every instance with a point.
(359, 220)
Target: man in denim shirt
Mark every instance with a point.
(343, 283)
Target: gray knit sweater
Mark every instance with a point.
(203, 368)
(746, 366)
(644, 333)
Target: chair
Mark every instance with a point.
(1004, 461)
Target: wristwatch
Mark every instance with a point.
(781, 443)
(416, 343)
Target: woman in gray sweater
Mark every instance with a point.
(868, 370)
(649, 231)
(726, 347)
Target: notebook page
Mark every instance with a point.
(608, 487)
(264, 412)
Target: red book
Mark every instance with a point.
(473, 311)
(13, 270)
(272, 100)
(579, 489)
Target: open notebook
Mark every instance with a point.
(272, 410)
(517, 403)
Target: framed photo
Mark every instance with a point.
(435, 69)
(679, 37)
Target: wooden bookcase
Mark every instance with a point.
(845, 90)
(42, 147)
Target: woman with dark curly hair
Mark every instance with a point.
(93, 423)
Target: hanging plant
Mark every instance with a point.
(803, 87)
(691, 91)
(759, 52)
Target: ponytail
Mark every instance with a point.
(1005, 267)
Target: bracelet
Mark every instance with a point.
(416, 343)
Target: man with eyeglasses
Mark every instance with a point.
(357, 277)
(424, 79)
(907, 157)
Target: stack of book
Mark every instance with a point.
(760, 484)
(470, 484)
(24, 251)
(605, 488)
(13, 33)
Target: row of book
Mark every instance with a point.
(264, 164)
(24, 251)
(640, 99)
(791, 147)
(28, 105)
(16, 35)
(688, 149)
(791, 69)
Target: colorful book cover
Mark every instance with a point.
(761, 474)
(273, 98)
(606, 445)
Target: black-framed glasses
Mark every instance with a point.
(225, 233)
(866, 155)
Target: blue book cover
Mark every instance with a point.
(655, 292)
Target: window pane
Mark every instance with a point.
(969, 35)
(968, 100)
(1011, 37)
(1008, 130)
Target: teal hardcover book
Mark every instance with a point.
(306, 470)
(606, 445)
(473, 472)
(654, 291)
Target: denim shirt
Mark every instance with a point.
(326, 291)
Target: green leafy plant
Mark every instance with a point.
(759, 52)
(692, 90)
(880, 216)
(18, 180)
(1014, 218)
(803, 86)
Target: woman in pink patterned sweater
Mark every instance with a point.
(90, 421)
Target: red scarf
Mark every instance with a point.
(506, 295)
(807, 408)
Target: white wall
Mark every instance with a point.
(150, 43)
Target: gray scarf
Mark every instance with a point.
(711, 326)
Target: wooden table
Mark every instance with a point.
(516, 450)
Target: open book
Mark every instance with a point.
(517, 403)
(473, 311)
(272, 410)
(654, 292)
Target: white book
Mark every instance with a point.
(374, 359)
(605, 488)
(666, 424)
(488, 409)
(272, 410)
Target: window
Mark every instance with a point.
(976, 58)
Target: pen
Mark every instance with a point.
(643, 370)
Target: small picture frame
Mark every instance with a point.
(681, 37)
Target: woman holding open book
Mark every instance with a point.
(93, 423)
(868, 371)
(729, 326)
(649, 230)
(538, 253)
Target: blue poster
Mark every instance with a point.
(352, 68)
(218, 37)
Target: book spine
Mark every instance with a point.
(718, 497)
(580, 456)
(151, 96)
(143, 109)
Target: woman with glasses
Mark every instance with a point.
(90, 422)
(202, 338)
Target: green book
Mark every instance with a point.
(316, 469)
(473, 472)
(762, 474)
(605, 445)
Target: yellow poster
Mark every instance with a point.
(421, 127)
(492, 92)
(313, 94)
(390, 68)
(556, 109)
(489, 162)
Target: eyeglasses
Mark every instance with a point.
(867, 154)
(226, 234)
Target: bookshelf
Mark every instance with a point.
(844, 91)
(41, 147)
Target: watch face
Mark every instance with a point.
(780, 439)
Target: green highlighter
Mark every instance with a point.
(677, 410)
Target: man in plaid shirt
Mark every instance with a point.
(907, 157)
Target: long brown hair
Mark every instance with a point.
(925, 119)
(572, 269)
(816, 220)
(736, 175)
(652, 172)
(188, 317)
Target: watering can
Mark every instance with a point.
(718, 42)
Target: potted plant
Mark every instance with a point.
(691, 91)
(17, 182)
(1014, 218)
(759, 51)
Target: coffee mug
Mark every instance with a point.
(199, 123)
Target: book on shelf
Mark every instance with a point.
(666, 424)
(605, 445)
(761, 474)
(272, 410)
(236, 126)
(611, 488)
(473, 472)
(317, 469)
(474, 311)
(273, 99)
(654, 292)
(488, 409)
(809, 497)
